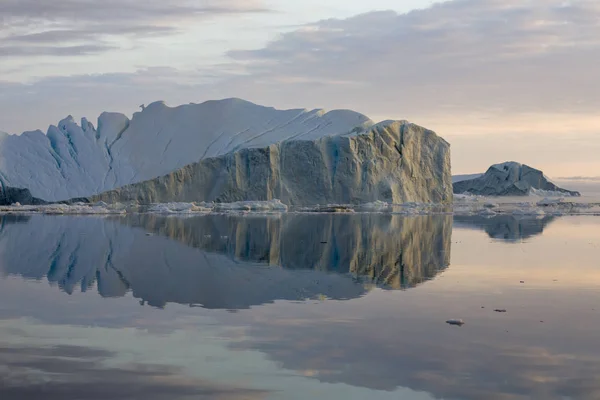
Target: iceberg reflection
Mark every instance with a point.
(225, 261)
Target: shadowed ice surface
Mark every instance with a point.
(298, 306)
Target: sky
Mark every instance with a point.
(501, 80)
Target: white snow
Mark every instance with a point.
(74, 160)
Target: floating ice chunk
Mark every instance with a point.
(177, 208)
(455, 322)
(77, 208)
(548, 202)
(375, 206)
(486, 212)
(530, 211)
(491, 205)
(466, 197)
(260, 206)
(551, 193)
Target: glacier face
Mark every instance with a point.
(396, 162)
(74, 161)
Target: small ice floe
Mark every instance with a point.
(455, 322)
(548, 202)
(529, 212)
(59, 209)
(466, 197)
(486, 212)
(329, 208)
(254, 206)
(490, 205)
(177, 208)
(375, 206)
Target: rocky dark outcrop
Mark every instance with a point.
(10, 195)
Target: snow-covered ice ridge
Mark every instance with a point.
(72, 160)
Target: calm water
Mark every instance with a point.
(299, 307)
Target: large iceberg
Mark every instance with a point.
(396, 162)
(230, 150)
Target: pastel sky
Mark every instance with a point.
(499, 79)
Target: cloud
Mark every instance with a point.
(379, 353)
(69, 27)
(36, 51)
(463, 68)
(581, 178)
(505, 56)
(79, 372)
(463, 57)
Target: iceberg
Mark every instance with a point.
(228, 151)
(510, 179)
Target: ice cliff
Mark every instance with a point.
(510, 179)
(395, 162)
(230, 150)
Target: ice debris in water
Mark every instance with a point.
(261, 206)
(375, 206)
(76, 208)
(529, 212)
(159, 208)
(490, 205)
(177, 208)
(329, 208)
(456, 322)
(486, 212)
(547, 202)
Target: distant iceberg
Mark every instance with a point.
(511, 179)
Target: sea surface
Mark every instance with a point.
(299, 306)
